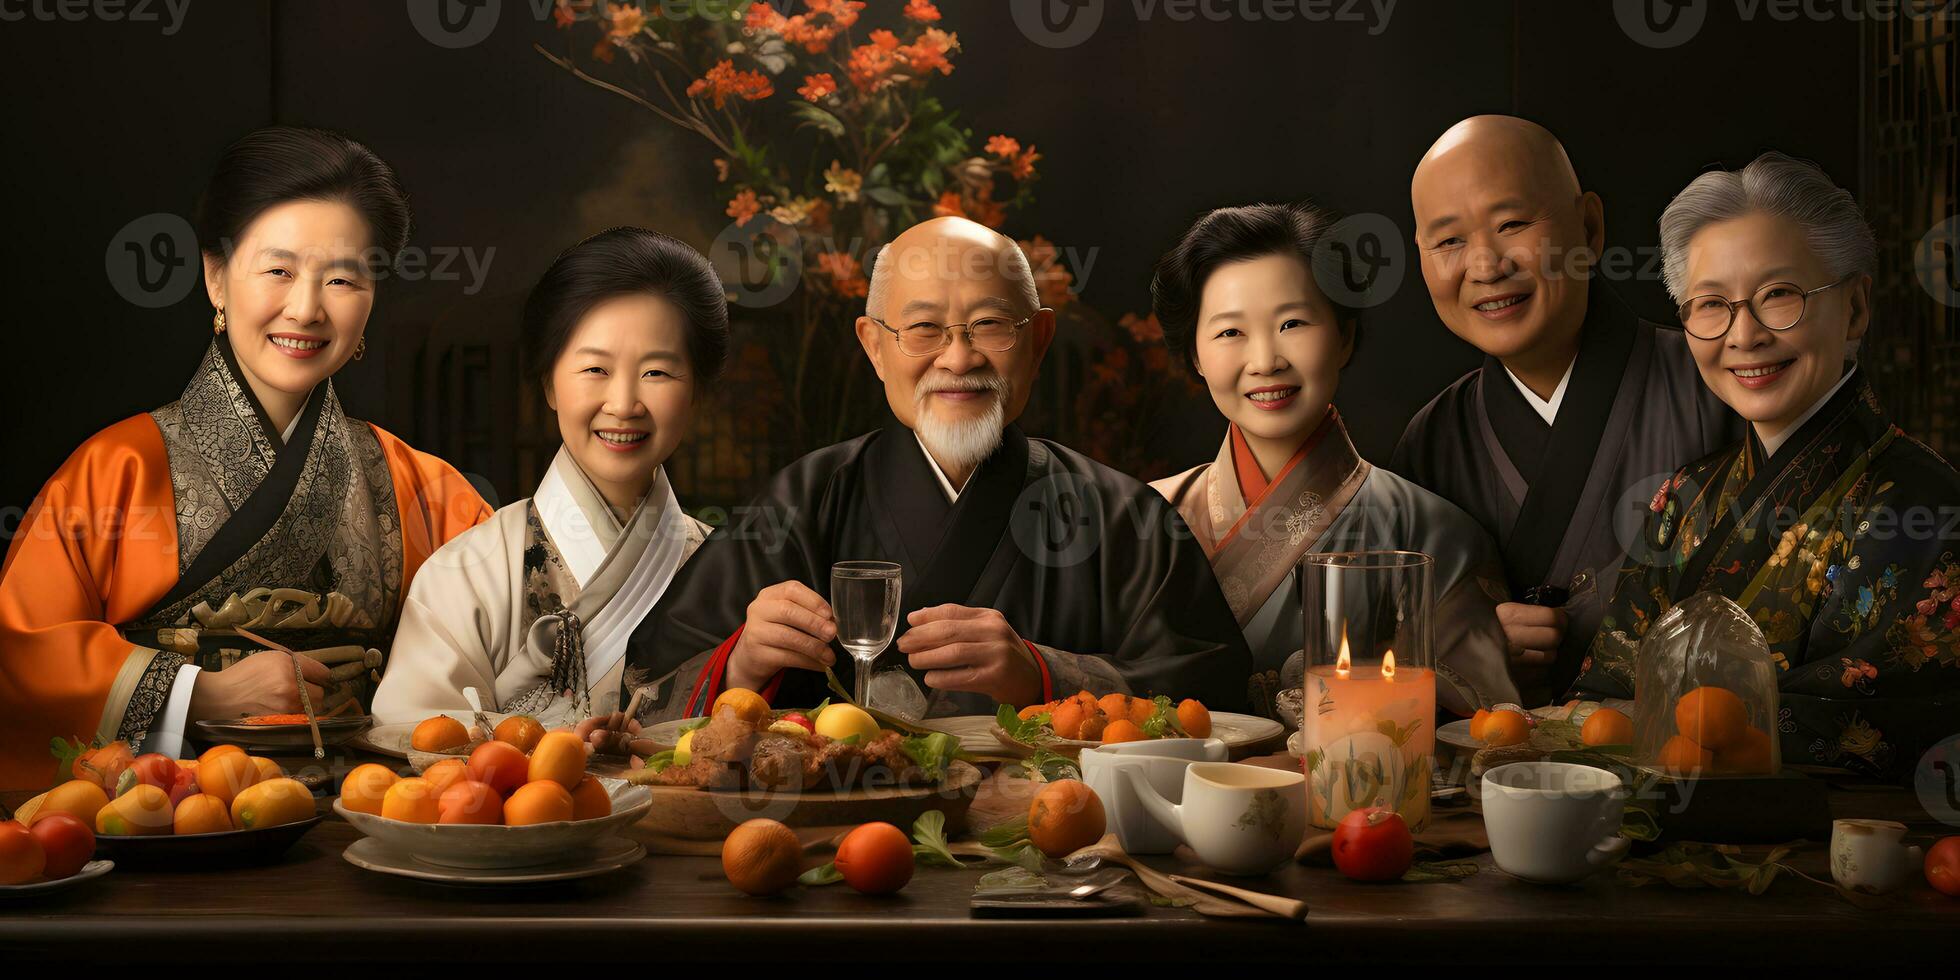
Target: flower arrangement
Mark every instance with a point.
(826, 137)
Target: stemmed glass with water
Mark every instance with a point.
(864, 597)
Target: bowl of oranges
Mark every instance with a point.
(500, 807)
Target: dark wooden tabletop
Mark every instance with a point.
(316, 906)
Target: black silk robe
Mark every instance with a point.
(1842, 548)
(1564, 501)
(1091, 567)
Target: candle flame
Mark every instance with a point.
(1388, 665)
(1342, 662)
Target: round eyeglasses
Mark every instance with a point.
(988, 333)
(1777, 306)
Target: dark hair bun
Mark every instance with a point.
(619, 262)
(280, 164)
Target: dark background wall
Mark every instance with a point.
(1141, 127)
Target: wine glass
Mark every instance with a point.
(864, 596)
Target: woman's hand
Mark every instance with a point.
(261, 684)
(607, 734)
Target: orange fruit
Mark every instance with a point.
(590, 799)
(761, 857)
(411, 800)
(142, 812)
(875, 859)
(1607, 727)
(747, 705)
(1065, 817)
(1477, 722)
(501, 765)
(1067, 719)
(1115, 706)
(439, 734)
(267, 768)
(272, 803)
(201, 813)
(1748, 755)
(1086, 699)
(1713, 716)
(1124, 730)
(1194, 718)
(1093, 725)
(225, 771)
(539, 801)
(1034, 709)
(78, 798)
(468, 801)
(1506, 728)
(1682, 755)
(1143, 709)
(445, 774)
(364, 788)
(521, 731)
(559, 757)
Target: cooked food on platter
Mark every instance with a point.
(841, 747)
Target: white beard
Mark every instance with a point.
(966, 443)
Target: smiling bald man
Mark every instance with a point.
(1029, 570)
(1580, 409)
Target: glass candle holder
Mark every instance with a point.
(1368, 724)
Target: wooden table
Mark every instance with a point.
(314, 906)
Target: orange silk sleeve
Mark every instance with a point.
(435, 501)
(97, 547)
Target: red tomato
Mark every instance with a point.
(800, 719)
(875, 859)
(156, 769)
(1943, 865)
(67, 843)
(1373, 844)
(21, 858)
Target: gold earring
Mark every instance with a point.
(360, 349)
(218, 321)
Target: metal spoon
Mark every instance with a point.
(1097, 883)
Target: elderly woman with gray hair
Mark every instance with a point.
(1830, 526)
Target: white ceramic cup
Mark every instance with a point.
(1239, 819)
(1870, 856)
(1553, 822)
(1162, 761)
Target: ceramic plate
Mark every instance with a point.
(608, 854)
(495, 847)
(1240, 733)
(333, 731)
(196, 851)
(393, 739)
(1457, 733)
(93, 869)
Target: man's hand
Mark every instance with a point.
(1534, 634)
(261, 684)
(789, 626)
(965, 649)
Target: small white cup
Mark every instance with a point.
(1553, 822)
(1162, 761)
(1870, 856)
(1239, 819)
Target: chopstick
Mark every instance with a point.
(299, 677)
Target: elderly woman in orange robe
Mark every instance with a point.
(253, 479)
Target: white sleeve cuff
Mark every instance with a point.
(167, 731)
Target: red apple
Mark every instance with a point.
(1943, 866)
(67, 842)
(1373, 844)
(156, 769)
(800, 719)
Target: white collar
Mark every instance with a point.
(582, 527)
(1547, 410)
(291, 427)
(1770, 446)
(952, 493)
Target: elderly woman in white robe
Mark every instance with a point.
(533, 608)
(1241, 303)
